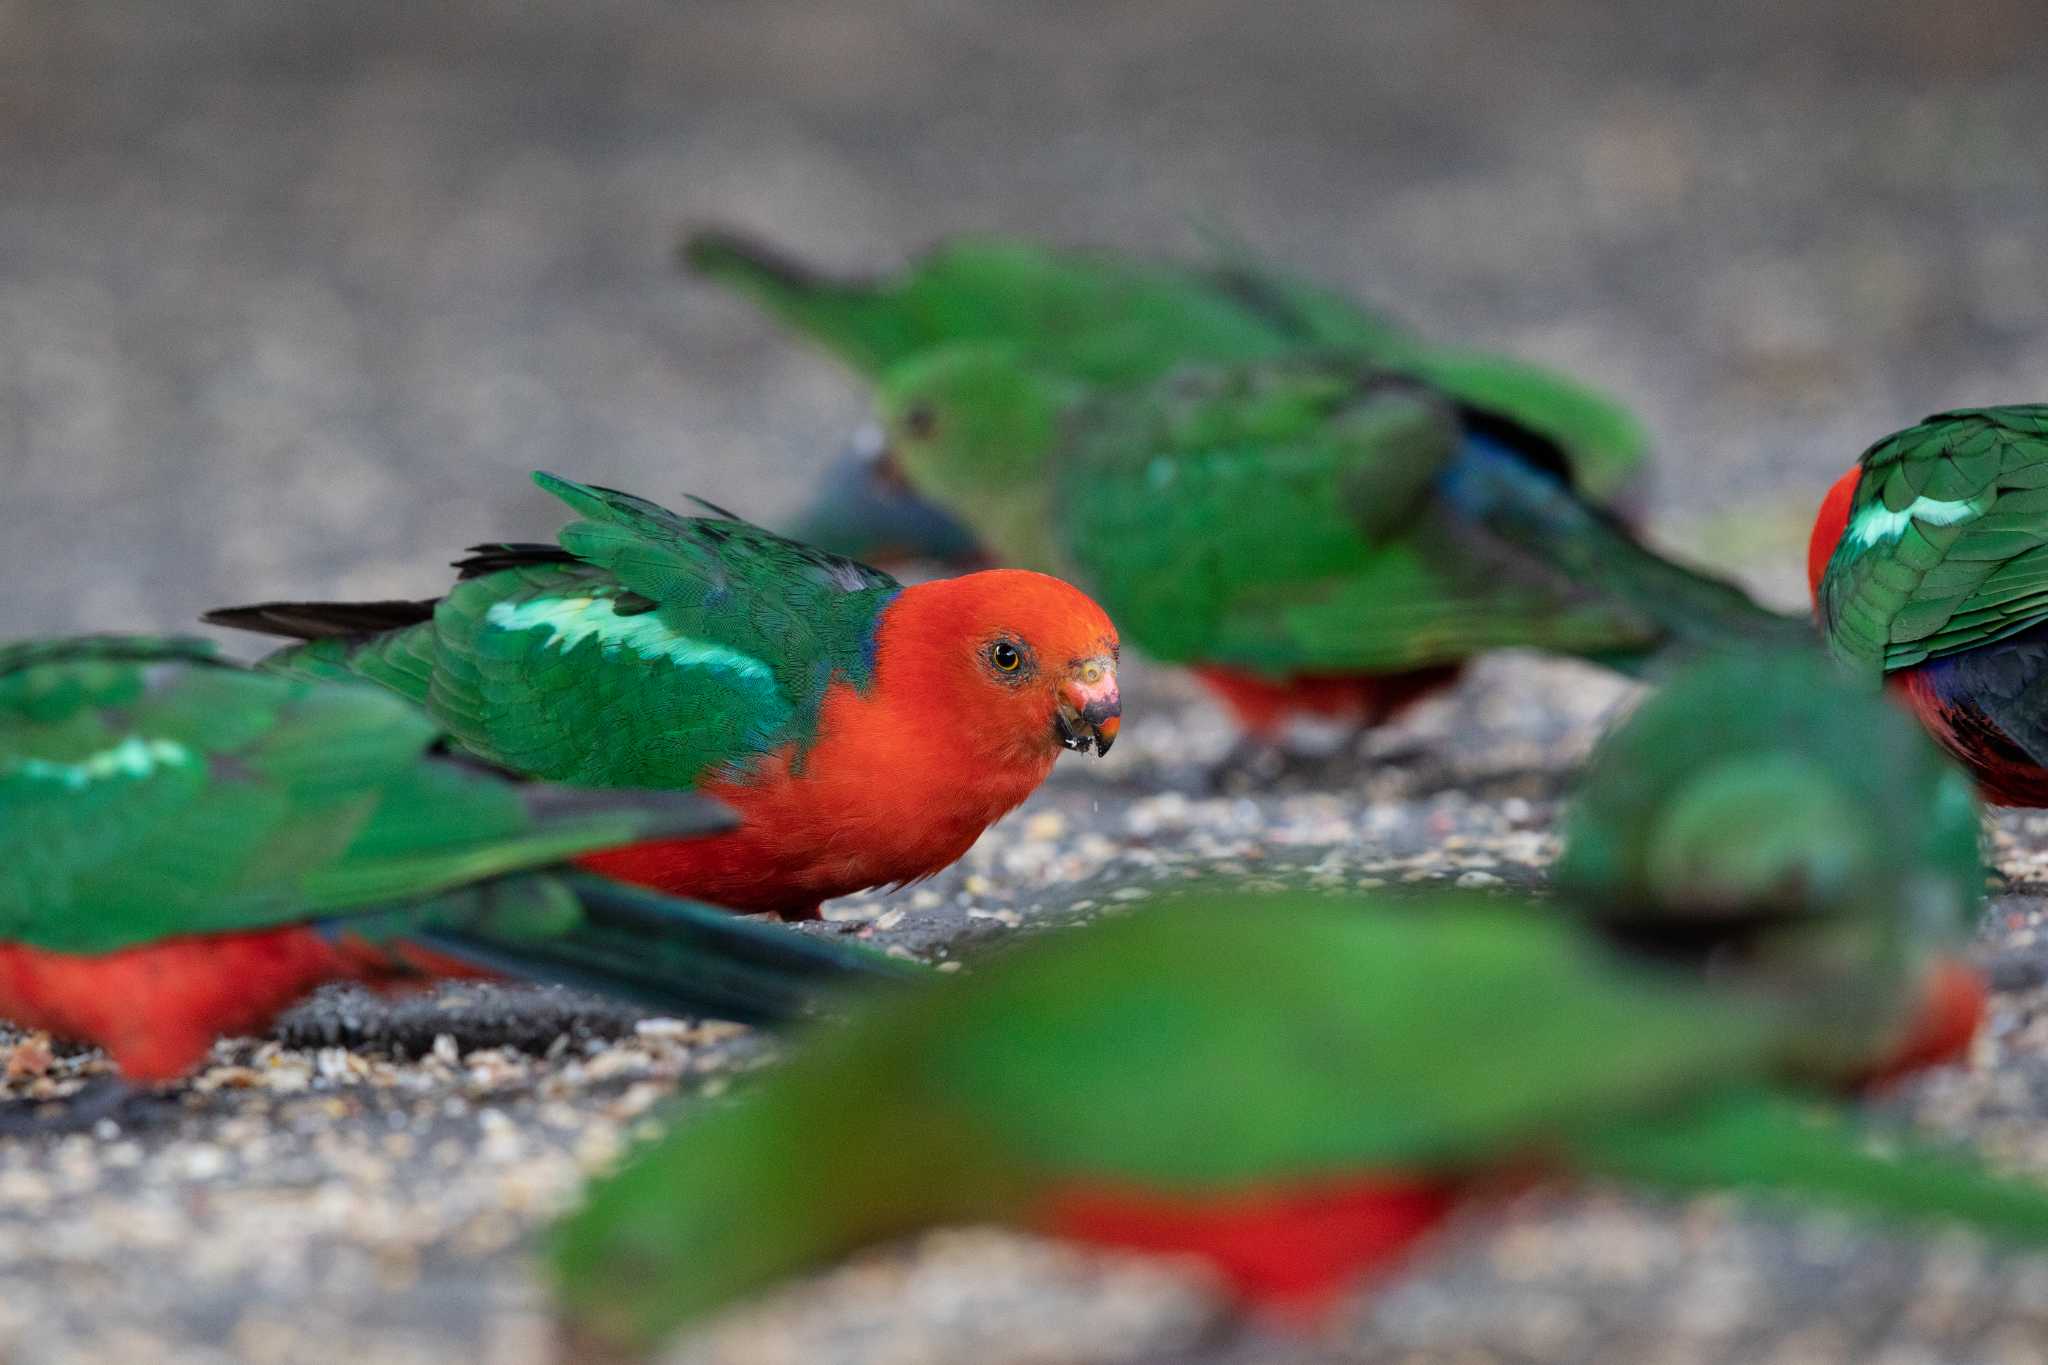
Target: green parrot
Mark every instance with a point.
(1115, 320)
(865, 731)
(1294, 1087)
(188, 846)
(1767, 806)
(1296, 521)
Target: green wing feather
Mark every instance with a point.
(1947, 541)
(670, 648)
(175, 796)
(1279, 518)
(1602, 443)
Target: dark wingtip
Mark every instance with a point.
(323, 620)
(718, 252)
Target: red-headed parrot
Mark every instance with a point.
(865, 732)
(187, 847)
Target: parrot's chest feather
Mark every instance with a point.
(888, 794)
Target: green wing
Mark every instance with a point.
(1603, 444)
(147, 793)
(1279, 518)
(1345, 1036)
(1947, 542)
(667, 649)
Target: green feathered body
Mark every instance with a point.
(1225, 1045)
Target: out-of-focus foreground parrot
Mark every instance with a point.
(1292, 1087)
(1768, 806)
(1314, 520)
(1929, 569)
(1106, 321)
(187, 847)
(865, 732)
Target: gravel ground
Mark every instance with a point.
(291, 294)
(368, 1184)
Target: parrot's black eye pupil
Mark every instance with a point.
(920, 421)
(1004, 655)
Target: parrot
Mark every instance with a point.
(1110, 321)
(188, 846)
(1927, 565)
(1765, 804)
(864, 732)
(1293, 1087)
(1299, 524)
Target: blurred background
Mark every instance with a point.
(293, 294)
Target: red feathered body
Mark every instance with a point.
(1290, 1251)
(903, 777)
(157, 1008)
(1287, 1251)
(2006, 774)
(1263, 706)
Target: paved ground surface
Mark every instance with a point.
(292, 294)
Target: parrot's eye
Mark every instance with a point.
(1005, 657)
(919, 421)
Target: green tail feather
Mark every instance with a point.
(668, 954)
(129, 649)
(852, 320)
(1536, 514)
(1768, 1145)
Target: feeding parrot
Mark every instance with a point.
(188, 846)
(1315, 518)
(1928, 570)
(1294, 1088)
(864, 732)
(1767, 803)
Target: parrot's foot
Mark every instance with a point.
(105, 1099)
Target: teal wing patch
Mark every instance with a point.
(1946, 546)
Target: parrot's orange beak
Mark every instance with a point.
(1090, 710)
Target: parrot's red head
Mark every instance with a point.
(1026, 663)
(1828, 528)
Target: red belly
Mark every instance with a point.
(156, 1009)
(1287, 1251)
(2005, 774)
